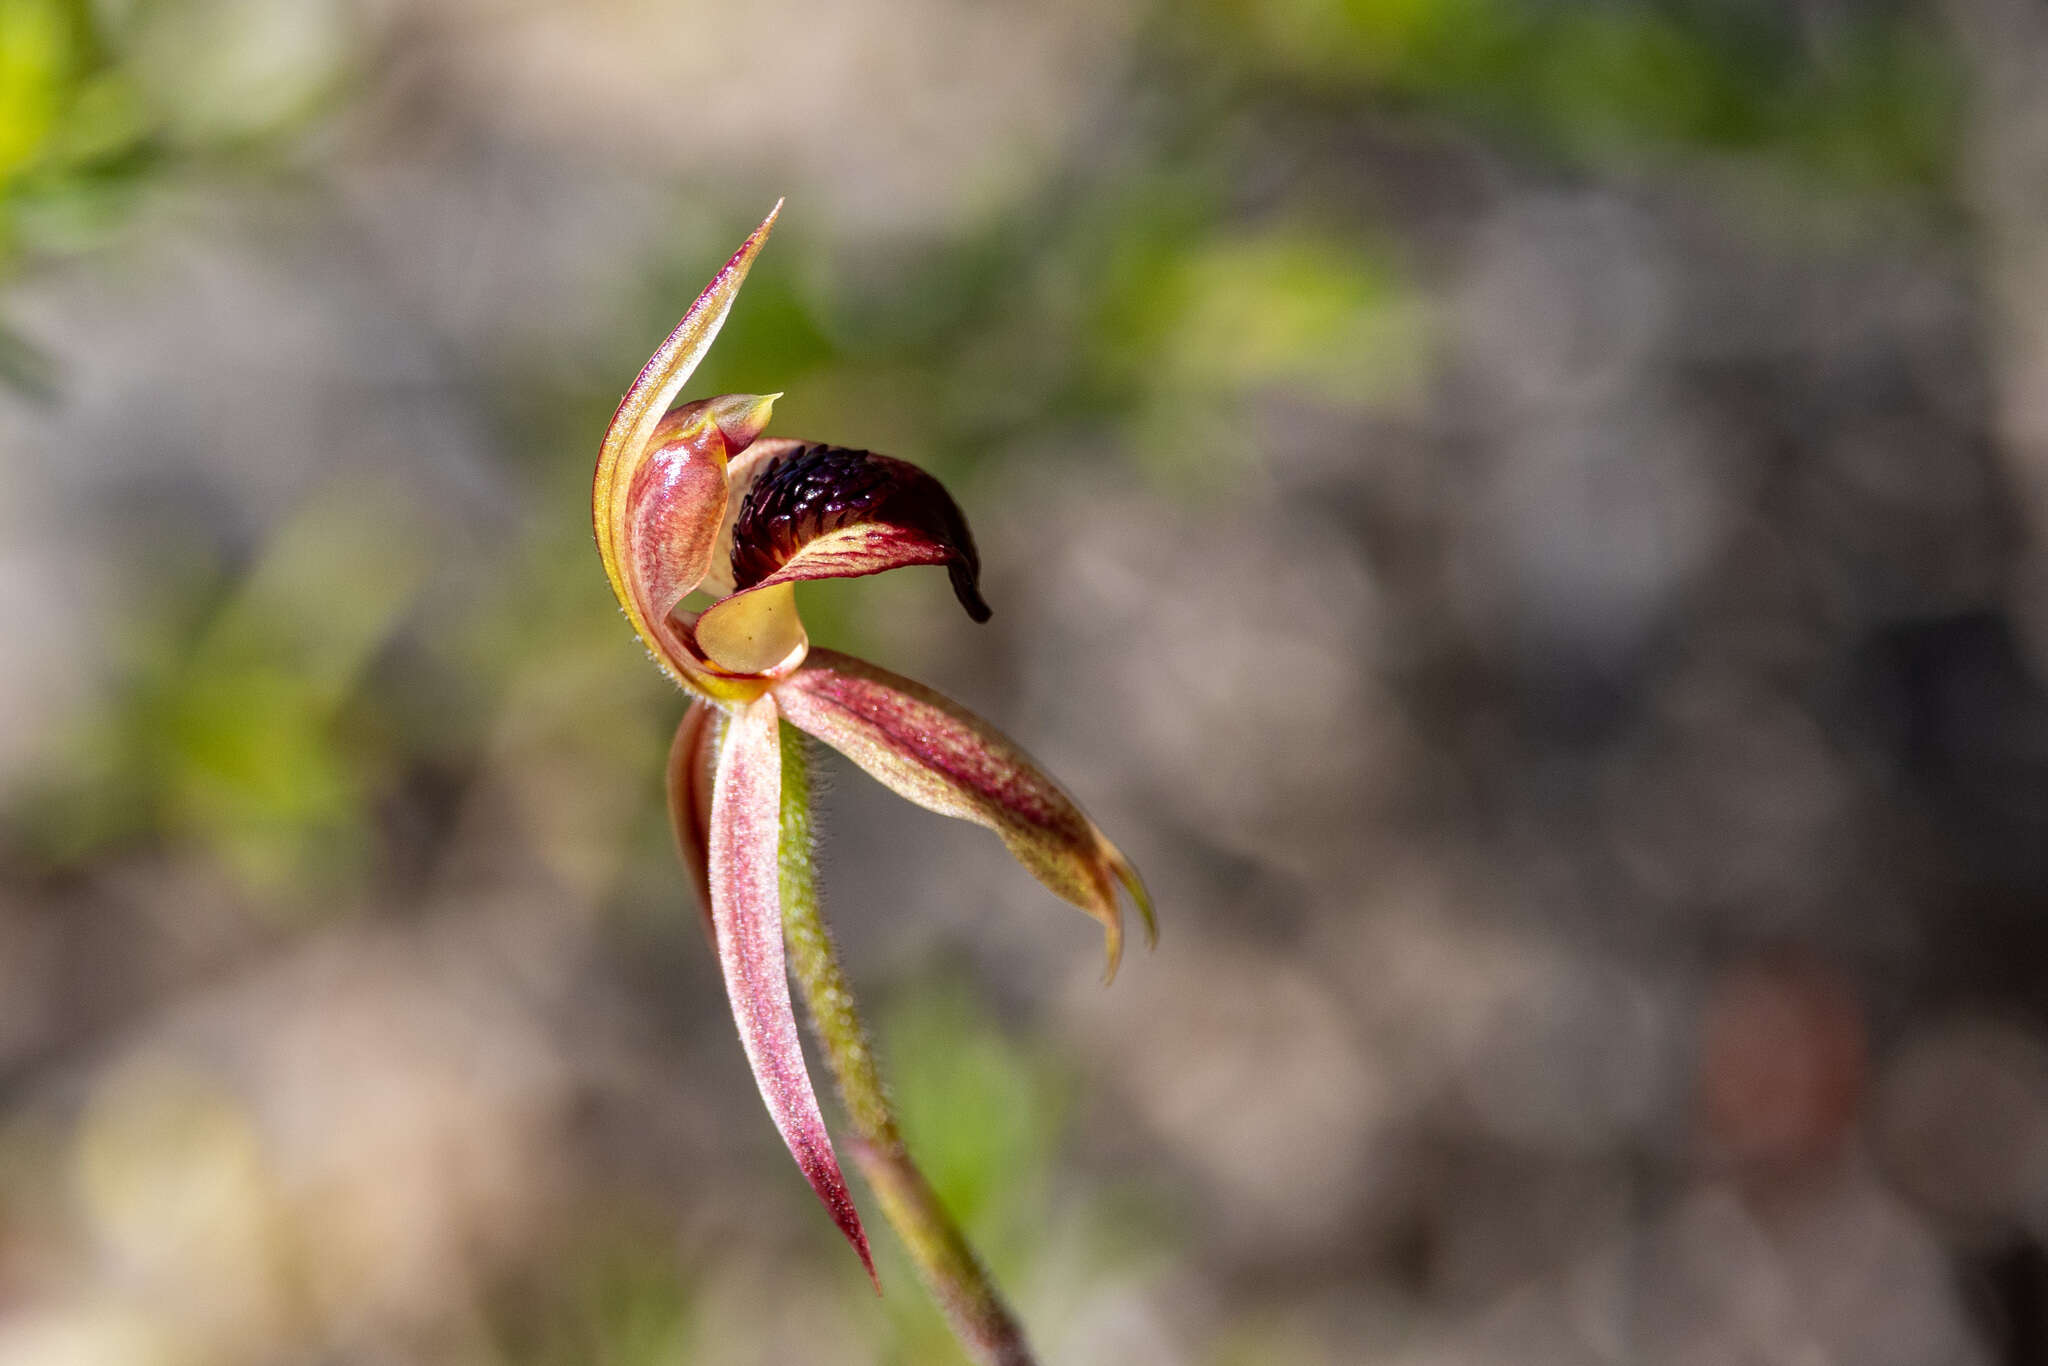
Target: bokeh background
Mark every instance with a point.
(1522, 516)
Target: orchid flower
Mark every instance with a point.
(696, 499)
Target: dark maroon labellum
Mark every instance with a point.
(814, 490)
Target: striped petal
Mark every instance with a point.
(936, 753)
(812, 511)
(746, 916)
(657, 497)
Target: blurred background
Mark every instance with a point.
(1524, 518)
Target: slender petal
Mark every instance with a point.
(746, 914)
(656, 505)
(812, 511)
(689, 799)
(938, 754)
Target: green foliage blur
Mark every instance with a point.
(1141, 301)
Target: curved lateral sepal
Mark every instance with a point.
(931, 750)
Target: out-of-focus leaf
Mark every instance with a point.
(231, 735)
(36, 61)
(983, 1115)
(1872, 104)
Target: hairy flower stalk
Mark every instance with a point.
(695, 499)
(952, 1272)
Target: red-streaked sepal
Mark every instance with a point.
(811, 511)
(657, 496)
(933, 751)
(690, 761)
(746, 915)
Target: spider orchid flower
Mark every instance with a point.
(696, 499)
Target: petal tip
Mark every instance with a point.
(821, 1168)
(741, 418)
(758, 235)
(1133, 885)
(1112, 949)
(1142, 899)
(869, 1263)
(967, 587)
(850, 1226)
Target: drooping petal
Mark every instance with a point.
(825, 512)
(689, 799)
(812, 511)
(657, 497)
(746, 915)
(935, 752)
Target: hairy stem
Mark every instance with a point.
(951, 1271)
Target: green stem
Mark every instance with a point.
(951, 1271)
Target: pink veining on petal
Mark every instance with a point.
(922, 726)
(674, 506)
(746, 913)
(933, 751)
